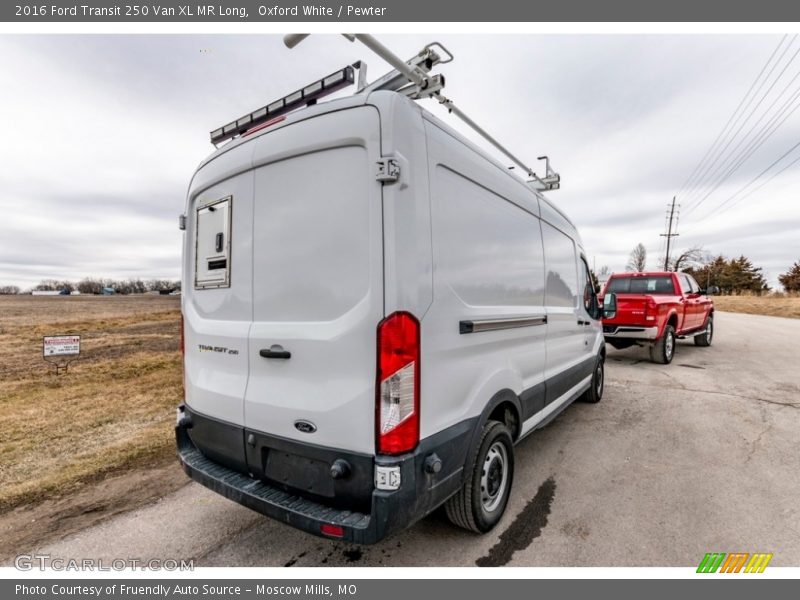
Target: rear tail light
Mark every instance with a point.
(397, 402)
(650, 310)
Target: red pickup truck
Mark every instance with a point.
(656, 308)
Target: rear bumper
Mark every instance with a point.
(630, 332)
(419, 493)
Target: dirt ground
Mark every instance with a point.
(112, 411)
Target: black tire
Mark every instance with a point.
(468, 507)
(663, 349)
(704, 339)
(595, 392)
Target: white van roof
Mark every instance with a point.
(384, 99)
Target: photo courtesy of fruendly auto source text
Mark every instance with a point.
(398, 299)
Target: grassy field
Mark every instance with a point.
(773, 305)
(113, 411)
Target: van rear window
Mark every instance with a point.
(641, 285)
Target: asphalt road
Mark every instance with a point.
(702, 455)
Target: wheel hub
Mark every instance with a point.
(494, 476)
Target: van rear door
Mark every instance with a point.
(217, 298)
(317, 282)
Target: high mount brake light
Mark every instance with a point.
(305, 96)
(397, 394)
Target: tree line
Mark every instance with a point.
(731, 275)
(96, 285)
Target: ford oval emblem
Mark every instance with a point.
(305, 426)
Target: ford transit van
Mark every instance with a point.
(375, 312)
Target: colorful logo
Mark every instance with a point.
(736, 562)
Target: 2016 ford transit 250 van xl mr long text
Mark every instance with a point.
(375, 312)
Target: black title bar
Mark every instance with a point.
(403, 10)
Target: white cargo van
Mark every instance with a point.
(374, 313)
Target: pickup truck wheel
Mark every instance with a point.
(595, 392)
(663, 349)
(481, 502)
(704, 339)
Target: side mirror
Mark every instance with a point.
(610, 306)
(712, 290)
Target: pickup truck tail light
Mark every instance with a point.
(650, 310)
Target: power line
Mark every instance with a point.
(754, 145)
(709, 174)
(704, 174)
(741, 102)
(752, 181)
(766, 112)
(755, 108)
(754, 190)
(736, 116)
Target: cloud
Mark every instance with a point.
(103, 134)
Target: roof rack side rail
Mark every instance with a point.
(413, 78)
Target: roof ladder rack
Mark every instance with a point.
(414, 79)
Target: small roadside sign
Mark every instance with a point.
(61, 345)
(60, 350)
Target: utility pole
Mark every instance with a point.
(669, 235)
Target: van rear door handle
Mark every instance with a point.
(275, 352)
(582, 322)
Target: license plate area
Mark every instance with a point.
(304, 474)
(304, 469)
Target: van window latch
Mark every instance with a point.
(388, 170)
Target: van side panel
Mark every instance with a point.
(217, 319)
(488, 265)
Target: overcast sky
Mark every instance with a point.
(102, 135)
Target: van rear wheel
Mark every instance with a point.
(595, 392)
(481, 502)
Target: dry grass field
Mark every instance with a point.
(112, 412)
(783, 305)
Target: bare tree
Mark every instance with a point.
(9, 290)
(691, 258)
(637, 261)
(54, 285)
(90, 285)
(159, 285)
